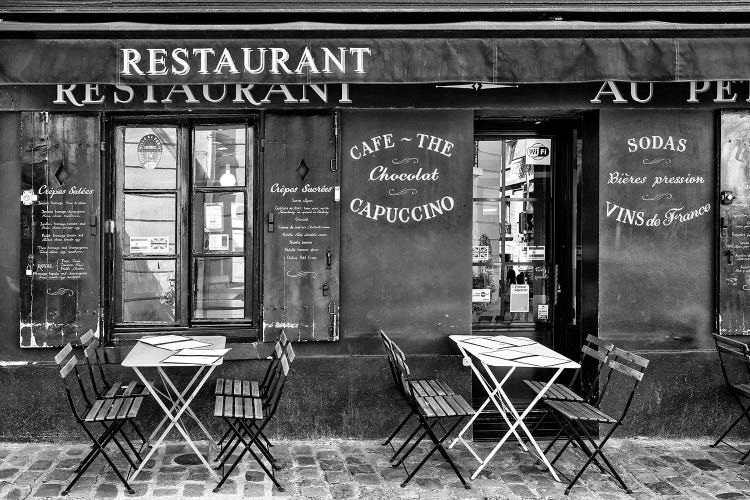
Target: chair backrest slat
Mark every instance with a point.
(731, 347)
(63, 354)
(283, 338)
(633, 358)
(603, 344)
(625, 370)
(87, 337)
(90, 351)
(599, 355)
(65, 370)
(290, 355)
(285, 365)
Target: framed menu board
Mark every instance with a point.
(60, 240)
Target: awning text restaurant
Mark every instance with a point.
(546, 179)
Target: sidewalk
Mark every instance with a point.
(341, 469)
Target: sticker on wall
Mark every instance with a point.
(149, 244)
(480, 295)
(480, 253)
(238, 214)
(214, 216)
(149, 151)
(519, 298)
(218, 242)
(539, 152)
(533, 252)
(542, 312)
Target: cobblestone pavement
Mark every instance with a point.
(360, 469)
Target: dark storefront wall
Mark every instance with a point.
(689, 368)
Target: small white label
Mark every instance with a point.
(218, 242)
(480, 253)
(336, 194)
(539, 152)
(542, 312)
(214, 216)
(480, 295)
(519, 298)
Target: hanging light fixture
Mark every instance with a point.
(227, 179)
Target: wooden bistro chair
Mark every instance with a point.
(734, 357)
(110, 413)
(423, 387)
(594, 351)
(247, 416)
(101, 386)
(577, 417)
(431, 411)
(253, 388)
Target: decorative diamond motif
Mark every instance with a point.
(302, 169)
(61, 174)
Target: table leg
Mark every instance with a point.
(174, 418)
(174, 403)
(491, 397)
(519, 423)
(191, 413)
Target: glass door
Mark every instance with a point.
(511, 234)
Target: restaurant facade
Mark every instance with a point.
(549, 179)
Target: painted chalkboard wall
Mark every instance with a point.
(406, 225)
(60, 240)
(656, 237)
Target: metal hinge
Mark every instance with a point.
(336, 125)
(102, 146)
(262, 143)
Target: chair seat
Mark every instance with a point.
(450, 405)
(237, 387)
(559, 392)
(430, 387)
(575, 410)
(743, 389)
(239, 407)
(133, 388)
(107, 410)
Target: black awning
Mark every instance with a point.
(372, 60)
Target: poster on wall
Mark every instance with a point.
(656, 228)
(60, 245)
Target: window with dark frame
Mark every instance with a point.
(184, 247)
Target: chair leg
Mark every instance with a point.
(394, 433)
(405, 443)
(438, 446)
(101, 445)
(592, 458)
(247, 448)
(247, 430)
(745, 414)
(412, 448)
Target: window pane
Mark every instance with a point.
(488, 169)
(149, 224)
(219, 156)
(220, 288)
(148, 291)
(219, 222)
(150, 158)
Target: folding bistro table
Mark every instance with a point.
(511, 353)
(202, 353)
